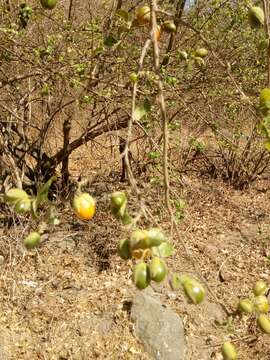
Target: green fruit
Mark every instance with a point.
(22, 206)
(259, 288)
(48, 4)
(246, 306)
(14, 194)
(123, 249)
(139, 240)
(194, 290)
(201, 52)
(141, 275)
(264, 323)
(183, 55)
(118, 199)
(158, 269)
(228, 351)
(261, 304)
(32, 240)
(169, 26)
(134, 77)
(256, 17)
(265, 101)
(155, 237)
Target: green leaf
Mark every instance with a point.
(175, 281)
(123, 14)
(164, 250)
(42, 194)
(110, 41)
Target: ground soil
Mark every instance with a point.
(70, 298)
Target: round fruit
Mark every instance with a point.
(139, 240)
(157, 32)
(48, 4)
(118, 199)
(32, 240)
(261, 304)
(228, 351)
(158, 269)
(141, 276)
(264, 323)
(246, 306)
(22, 206)
(134, 77)
(14, 194)
(143, 15)
(194, 291)
(123, 249)
(256, 17)
(183, 55)
(84, 206)
(169, 26)
(201, 52)
(259, 288)
(156, 237)
(264, 97)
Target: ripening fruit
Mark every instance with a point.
(84, 206)
(265, 97)
(169, 26)
(259, 288)
(194, 290)
(143, 15)
(158, 269)
(261, 304)
(201, 52)
(246, 306)
(228, 351)
(158, 32)
(14, 194)
(156, 237)
(32, 240)
(264, 323)
(141, 276)
(139, 240)
(22, 206)
(123, 249)
(48, 4)
(255, 17)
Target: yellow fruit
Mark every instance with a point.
(158, 32)
(158, 269)
(261, 304)
(260, 288)
(84, 206)
(32, 240)
(256, 17)
(143, 15)
(228, 351)
(48, 4)
(264, 323)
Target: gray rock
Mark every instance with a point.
(158, 328)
